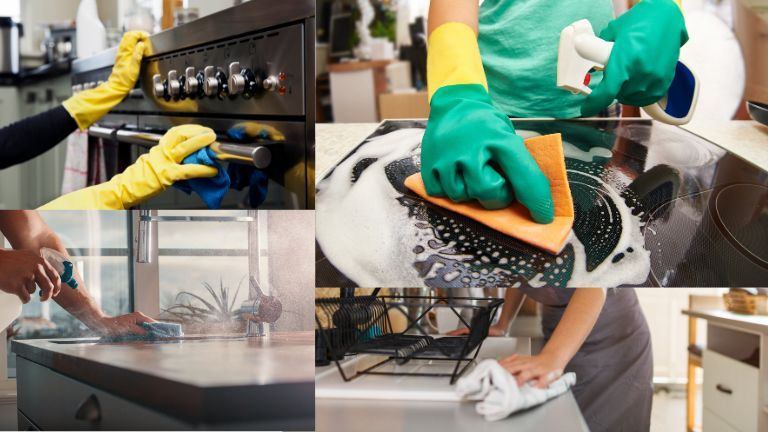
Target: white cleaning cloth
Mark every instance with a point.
(499, 394)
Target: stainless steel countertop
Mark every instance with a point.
(332, 415)
(200, 381)
(369, 403)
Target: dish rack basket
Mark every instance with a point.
(362, 325)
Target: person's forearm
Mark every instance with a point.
(33, 136)
(27, 230)
(445, 11)
(513, 300)
(577, 322)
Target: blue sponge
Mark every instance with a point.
(155, 331)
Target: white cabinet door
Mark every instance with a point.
(730, 391)
(713, 423)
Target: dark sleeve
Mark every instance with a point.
(33, 136)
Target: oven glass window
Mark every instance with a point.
(203, 268)
(98, 244)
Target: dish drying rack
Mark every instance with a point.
(362, 325)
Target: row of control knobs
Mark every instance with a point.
(212, 82)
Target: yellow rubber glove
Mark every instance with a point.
(151, 174)
(90, 105)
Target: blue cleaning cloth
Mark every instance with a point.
(256, 180)
(155, 330)
(236, 176)
(212, 189)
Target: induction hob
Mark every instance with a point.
(655, 206)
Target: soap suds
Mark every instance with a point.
(378, 236)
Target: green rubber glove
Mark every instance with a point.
(647, 41)
(470, 151)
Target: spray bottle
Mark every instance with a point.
(10, 304)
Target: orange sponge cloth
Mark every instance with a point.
(515, 220)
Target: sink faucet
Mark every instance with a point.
(259, 310)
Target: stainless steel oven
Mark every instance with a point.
(251, 64)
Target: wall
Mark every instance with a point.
(291, 253)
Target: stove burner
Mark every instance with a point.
(706, 238)
(742, 212)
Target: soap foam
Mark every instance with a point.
(376, 236)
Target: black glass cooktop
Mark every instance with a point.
(655, 206)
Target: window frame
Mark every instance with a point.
(146, 275)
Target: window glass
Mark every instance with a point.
(203, 271)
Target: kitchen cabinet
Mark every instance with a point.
(735, 386)
(244, 383)
(369, 78)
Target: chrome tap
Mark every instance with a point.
(259, 310)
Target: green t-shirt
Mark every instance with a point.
(518, 42)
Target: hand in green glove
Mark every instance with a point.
(470, 151)
(647, 41)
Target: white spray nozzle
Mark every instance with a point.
(580, 50)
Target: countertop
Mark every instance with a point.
(755, 323)
(400, 403)
(745, 138)
(198, 381)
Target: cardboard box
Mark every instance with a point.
(403, 105)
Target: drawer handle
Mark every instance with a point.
(89, 410)
(723, 389)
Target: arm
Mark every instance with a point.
(513, 300)
(445, 11)
(577, 322)
(33, 136)
(470, 150)
(25, 229)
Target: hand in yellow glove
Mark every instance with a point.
(90, 105)
(151, 174)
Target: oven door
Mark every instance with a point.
(285, 162)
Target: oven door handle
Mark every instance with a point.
(259, 155)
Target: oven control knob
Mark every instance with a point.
(271, 83)
(158, 89)
(174, 86)
(237, 79)
(191, 85)
(211, 83)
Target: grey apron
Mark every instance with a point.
(614, 366)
